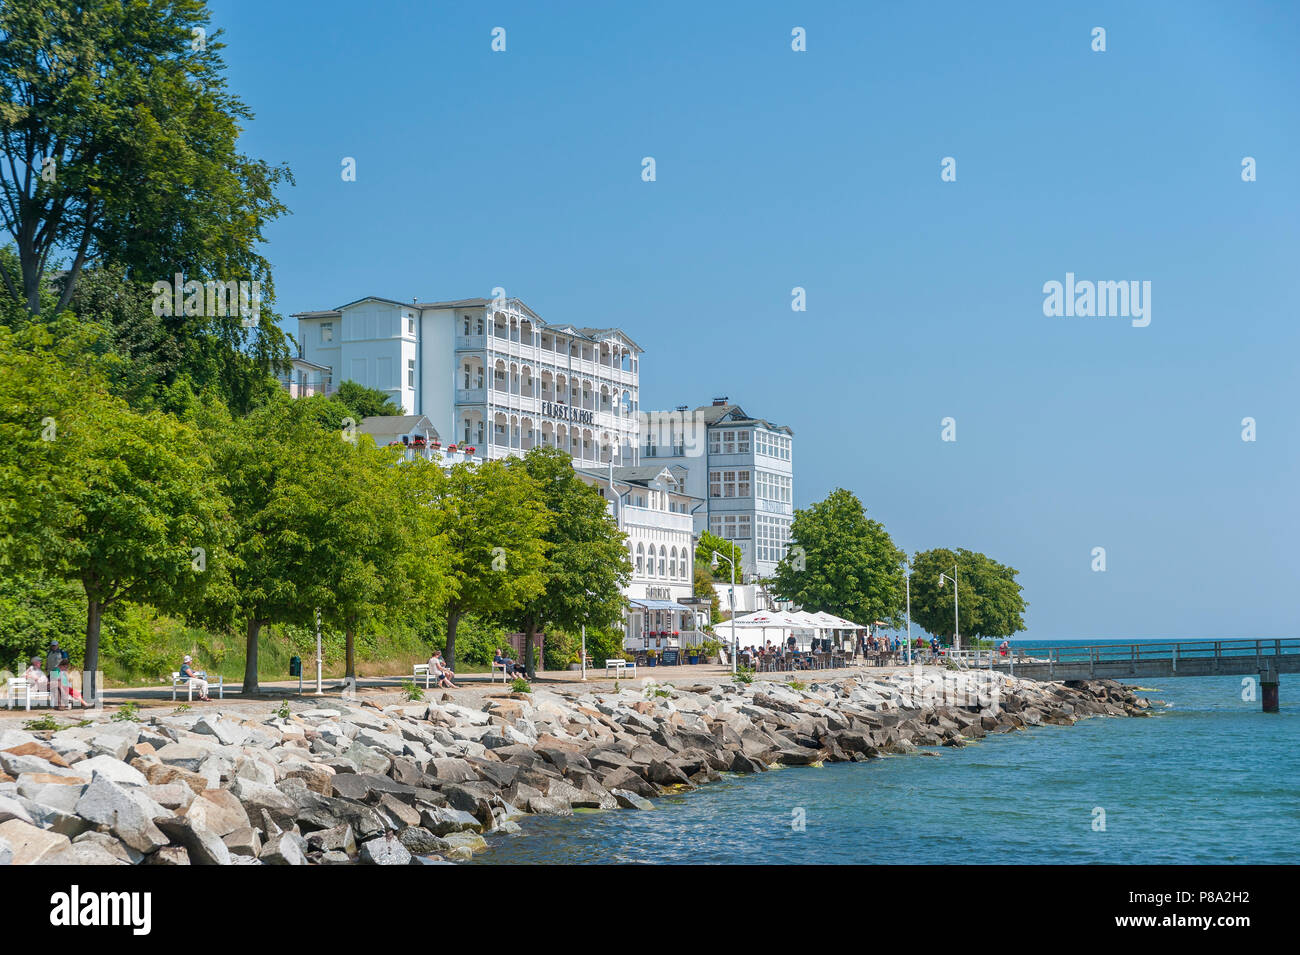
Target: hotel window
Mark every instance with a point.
(729, 484)
(663, 556)
(410, 325)
(773, 487)
(773, 539)
(730, 526)
(327, 331)
(410, 372)
(640, 560)
(742, 442)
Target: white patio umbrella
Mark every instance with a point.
(777, 619)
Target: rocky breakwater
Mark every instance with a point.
(346, 782)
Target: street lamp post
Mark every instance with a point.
(731, 598)
(319, 690)
(908, 578)
(956, 632)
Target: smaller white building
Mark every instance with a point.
(657, 516)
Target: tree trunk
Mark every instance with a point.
(250, 687)
(449, 654)
(94, 614)
(349, 651)
(530, 633)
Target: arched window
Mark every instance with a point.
(663, 560)
(640, 560)
(672, 564)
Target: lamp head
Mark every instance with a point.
(714, 562)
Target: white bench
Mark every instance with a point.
(178, 680)
(20, 686)
(619, 666)
(504, 668)
(420, 669)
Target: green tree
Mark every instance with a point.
(119, 141)
(702, 586)
(704, 549)
(842, 562)
(387, 567)
(989, 600)
(123, 502)
(493, 523)
(363, 402)
(586, 563)
(289, 553)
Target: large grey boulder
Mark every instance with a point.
(421, 842)
(111, 767)
(338, 839)
(282, 849)
(243, 842)
(384, 850)
(82, 853)
(114, 847)
(27, 844)
(256, 798)
(227, 732)
(630, 800)
(204, 846)
(185, 756)
(106, 804)
(442, 821)
(12, 809)
(169, 855)
(219, 811)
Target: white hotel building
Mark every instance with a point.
(743, 467)
(489, 373)
(651, 508)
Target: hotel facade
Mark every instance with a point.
(742, 466)
(488, 373)
(650, 507)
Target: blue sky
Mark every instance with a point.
(821, 169)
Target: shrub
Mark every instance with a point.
(520, 685)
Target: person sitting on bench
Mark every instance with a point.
(512, 668)
(199, 680)
(443, 672)
(35, 676)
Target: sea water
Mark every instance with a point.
(1208, 778)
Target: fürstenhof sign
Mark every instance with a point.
(561, 412)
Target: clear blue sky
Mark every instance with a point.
(821, 169)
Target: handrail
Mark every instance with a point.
(1132, 653)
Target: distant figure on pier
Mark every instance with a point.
(934, 649)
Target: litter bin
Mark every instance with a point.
(295, 666)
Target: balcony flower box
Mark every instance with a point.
(435, 444)
(470, 450)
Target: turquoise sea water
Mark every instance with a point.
(1210, 779)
